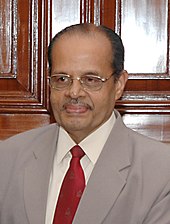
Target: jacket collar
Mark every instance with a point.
(37, 175)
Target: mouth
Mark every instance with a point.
(76, 107)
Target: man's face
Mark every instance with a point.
(80, 111)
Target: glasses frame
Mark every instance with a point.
(103, 80)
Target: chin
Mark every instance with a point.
(75, 126)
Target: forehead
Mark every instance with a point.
(79, 39)
(78, 45)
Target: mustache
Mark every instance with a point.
(78, 102)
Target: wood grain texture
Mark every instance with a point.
(23, 88)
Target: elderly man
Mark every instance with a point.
(88, 168)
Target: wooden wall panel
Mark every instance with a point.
(25, 33)
(15, 123)
(23, 72)
(156, 126)
(144, 27)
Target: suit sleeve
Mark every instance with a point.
(160, 211)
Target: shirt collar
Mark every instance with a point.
(65, 143)
(92, 144)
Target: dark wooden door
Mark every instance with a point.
(25, 34)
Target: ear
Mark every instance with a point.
(120, 84)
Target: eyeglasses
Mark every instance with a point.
(88, 82)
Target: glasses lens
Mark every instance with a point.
(91, 82)
(59, 81)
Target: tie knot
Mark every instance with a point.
(76, 151)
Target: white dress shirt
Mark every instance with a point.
(92, 145)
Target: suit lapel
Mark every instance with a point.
(107, 179)
(37, 175)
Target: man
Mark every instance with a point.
(126, 175)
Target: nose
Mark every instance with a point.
(75, 90)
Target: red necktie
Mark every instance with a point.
(71, 189)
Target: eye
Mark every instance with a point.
(60, 79)
(91, 80)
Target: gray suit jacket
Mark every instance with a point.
(130, 183)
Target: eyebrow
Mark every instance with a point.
(95, 73)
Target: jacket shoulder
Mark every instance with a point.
(29, 137)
